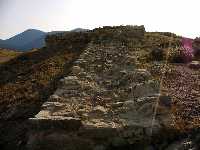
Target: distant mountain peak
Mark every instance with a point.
(23, 41)
(79, 30)
(32, 30)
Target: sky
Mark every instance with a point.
(177, 16)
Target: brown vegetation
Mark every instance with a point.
(6, 55)
(28, 80)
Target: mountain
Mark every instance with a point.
(1, 42)
(36, 43)
(21, 41)
(25, 37)
(79, 30)
(30, 39)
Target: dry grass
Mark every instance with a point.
(6, 55)
(29, 79)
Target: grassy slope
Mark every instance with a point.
(6, 55)
(28, 80)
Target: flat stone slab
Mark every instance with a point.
(66, 123)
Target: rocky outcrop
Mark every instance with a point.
(105, 102)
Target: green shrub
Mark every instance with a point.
(196, 47)
(177, 55)
(157, 54)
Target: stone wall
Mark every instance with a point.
(108, 96)
(107, 34)
(66, 39)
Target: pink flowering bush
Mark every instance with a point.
(188, 55)
(179, 55)
(188, 49)
(183, 54)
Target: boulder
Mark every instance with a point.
(194, 65)
(165, 101)
(144, 90)
(76, 70)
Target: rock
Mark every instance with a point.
(69, 78)
(144, 90)
(165, 101)
(72, 86)
(185, 144)
(81, 111)
(76, 70)
(89, 77)
(66, 123)
(117, 104)
(119, 142)
(48, 105)
(77, 62)
(100, 147)
(54, 97)
(131, 60)
(129, 104)
(122, 72)
(57, 141)
(99, 110)
(146, 110)
(194, 65)
(141, 75)
(59, 92)
(82, 74)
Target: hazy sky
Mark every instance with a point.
(178, 16)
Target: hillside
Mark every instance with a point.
(36, 70)
(6, 55)
(83, 84)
